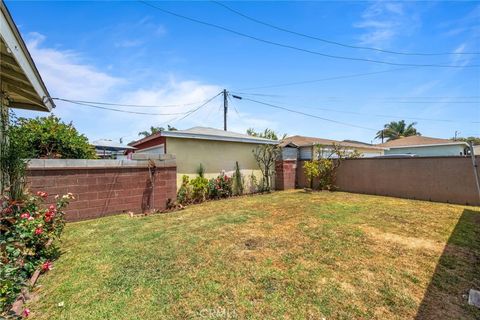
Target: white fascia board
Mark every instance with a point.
(184, 135)
(14, 42)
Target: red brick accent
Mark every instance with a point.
(285, 174)
(101, 192)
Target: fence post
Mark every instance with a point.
(475, 171)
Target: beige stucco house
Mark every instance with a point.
(304, 148)
(216, 150)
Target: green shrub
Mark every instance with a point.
(26, 228)
(184, 194)
(238, 181)
(49, 137)
(220, 187)
(311, 170)
(199, 187)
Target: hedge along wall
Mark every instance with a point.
(105, 187)
(442, 179)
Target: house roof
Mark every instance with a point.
(302, 141)
(419, 141)
(206, 133)
(19, 75)
(110, 145)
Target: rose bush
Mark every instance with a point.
(27, 228)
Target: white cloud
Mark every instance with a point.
(383, 21)
(66, 75)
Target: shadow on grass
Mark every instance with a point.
(457, 271)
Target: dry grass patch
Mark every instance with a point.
(286, 255)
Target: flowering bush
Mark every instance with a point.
(27, 228)
(220, 187)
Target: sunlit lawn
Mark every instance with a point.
(286, 255)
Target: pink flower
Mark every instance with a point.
(42, 194)
(30, 218)
(47, 266)
(25, 215)
(26, 312)
(52, 208)
(38, 231)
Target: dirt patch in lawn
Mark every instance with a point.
(409, 242)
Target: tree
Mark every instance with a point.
(474, 140)
(395, 130)
(154, 130)
(266, 155)
(49, 137)
(330, 157)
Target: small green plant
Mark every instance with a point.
(199, 187)
(312, 171)
(201, 171)
(184, 194)
(238, 181)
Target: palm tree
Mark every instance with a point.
(395, 130)
(153, 130)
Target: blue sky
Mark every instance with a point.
(127, 52)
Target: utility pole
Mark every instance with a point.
(225, 108)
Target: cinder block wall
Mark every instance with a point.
(442, 179)
(104, 187)
(285, 174)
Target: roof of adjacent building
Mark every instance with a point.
(110, 145)
(19, 76)
(206, 133)
(302, 141)
(419, 141)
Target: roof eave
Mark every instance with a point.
(14, 41)
(176, 134)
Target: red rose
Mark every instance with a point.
(38, 231)
(25, 215)
(26, 312)
(47, 266)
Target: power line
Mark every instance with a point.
(335, 42)
(287, 84)
(401, 100)
(199, 107)
(350, 112)
(297, 48)
(129, 105)
(308, 114)
(137, 112)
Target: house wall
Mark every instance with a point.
(443, 179)
(214, 156)
(104, 187)
(305, 153)
(430, 151)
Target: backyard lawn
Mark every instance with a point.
(285, 255)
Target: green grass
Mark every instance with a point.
(286, 255)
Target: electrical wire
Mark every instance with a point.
(348, 112)
(308, 114)
(297, 48)
(137, 112)
(405, 100)
(287, 84)
(201, 106)
(129, 105)
(335, 42)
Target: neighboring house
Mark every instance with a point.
(108, 149)
(425, 147)
(216, 150)
(302, 148)
(21, 83)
